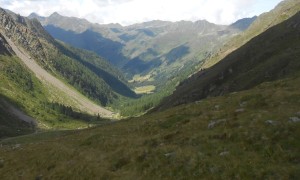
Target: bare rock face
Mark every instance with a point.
(294, 119)
(24, 32)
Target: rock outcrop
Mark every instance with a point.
(23, 32)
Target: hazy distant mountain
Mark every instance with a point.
(72, 23)
(154, 56)
(157, 49)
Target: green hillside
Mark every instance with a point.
(21, 90)
(246, 135)
(272, 55)
(74, 67)
(283, 11)
(34, 99)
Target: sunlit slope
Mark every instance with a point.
(78, 100)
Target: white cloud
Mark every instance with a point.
(133, 11)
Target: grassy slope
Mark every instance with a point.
(39, 100)
(269, 56)
(22, 89)
(280, 13)
(253, 139)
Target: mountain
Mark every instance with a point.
(253, 134)
(72, 23)
(268, 56)
(154, 56)
(250, 130)
(244, 23)
(47, 84)
(156, 49)
(52, 55)
(281, 12)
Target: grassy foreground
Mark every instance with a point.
(252, 134)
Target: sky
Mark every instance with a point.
(128, 12)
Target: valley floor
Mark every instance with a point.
(252, 134)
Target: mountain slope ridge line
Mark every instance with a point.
(45, 77)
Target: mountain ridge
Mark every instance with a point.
(84, 104)
(257, 61)
(161, 53)
(47, 56)
(59, 86)
(132, 41)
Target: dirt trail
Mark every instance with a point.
(85, 104)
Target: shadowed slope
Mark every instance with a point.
(271, 55)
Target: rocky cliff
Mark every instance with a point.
(24, 33)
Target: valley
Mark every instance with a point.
(152, 100)
(249, 134)
(161, 53)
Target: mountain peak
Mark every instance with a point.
(33, 15)
(55, 14)
(202, 22)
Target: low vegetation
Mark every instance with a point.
(23, 90)
(246, 135)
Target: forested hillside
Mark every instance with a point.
(61, 61)
(41, 79)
